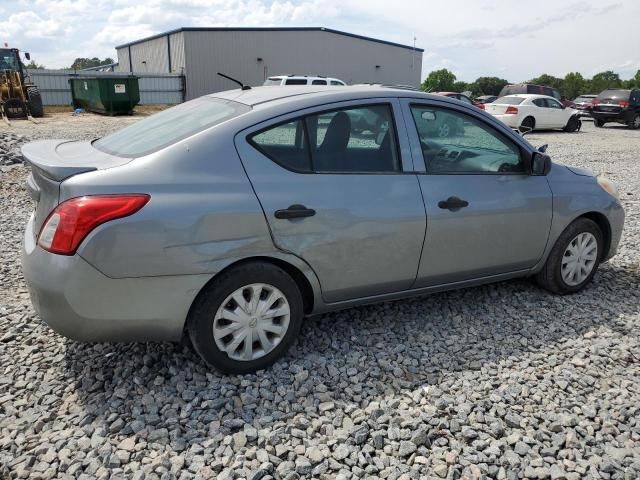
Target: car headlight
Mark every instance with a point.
(608, 186)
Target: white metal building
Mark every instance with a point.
(253, 54)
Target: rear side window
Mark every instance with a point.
(319, 82)
(336, 83)
(296, 81)
(286, 145)
(169, 126)
(356, 140)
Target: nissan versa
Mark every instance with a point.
(233, 216)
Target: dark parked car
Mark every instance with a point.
(584, 104)
(460, 96)
(619, 106)
(520, 88)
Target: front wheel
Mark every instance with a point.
(598, 123)
(247, 318)
(35, 102)
(572, 125)
(574, 259)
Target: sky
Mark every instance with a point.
(516, 40)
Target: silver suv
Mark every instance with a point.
(233, 216)
(281, 80)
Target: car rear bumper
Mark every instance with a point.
(509, 120)
(622, 117)
(79, 302)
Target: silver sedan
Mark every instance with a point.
(233, 216)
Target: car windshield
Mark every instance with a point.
(169, 126)
(614, 96)
(509, 100)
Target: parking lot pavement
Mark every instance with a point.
(500, 381)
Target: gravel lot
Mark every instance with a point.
(503, 381)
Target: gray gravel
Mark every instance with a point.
(503, 381)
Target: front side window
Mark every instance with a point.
(551, 103)
(356, 140)
(453, 142)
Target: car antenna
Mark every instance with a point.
(242, 85)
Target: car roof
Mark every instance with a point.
(262, 95)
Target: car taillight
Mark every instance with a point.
(623, 104)
(480, 106)
(511, 109)
(71, 221)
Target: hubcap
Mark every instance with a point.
(444, 130)
(579, 258)
(636, 121)
(251, 322)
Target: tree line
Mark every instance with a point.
(78, 63)
(571, 86)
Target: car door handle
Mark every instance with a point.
(453, 204)
(295, 211)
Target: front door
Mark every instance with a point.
(485, 215)
(332, 186)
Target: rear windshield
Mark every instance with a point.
(169, 126)
(510, 100)
(272, 81)
(614, 96)
(584, 99)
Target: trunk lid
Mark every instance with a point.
(496, 108)
(53, 161)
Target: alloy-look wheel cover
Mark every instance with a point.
(579, 259)
(251, 322)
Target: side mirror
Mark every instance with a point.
(540, 164)
(543, 148)
(428, 115)
(27, 55)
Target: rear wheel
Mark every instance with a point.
(635, 122)
(598, 122)
(527, 125)
(574, 259)
(35, 102)
(247, 318)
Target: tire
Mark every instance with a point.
(598, 122)
(572, 125)
(15, 108)
(551, 276)
(634, 124)
(35, 102)
(527, 125)
(214, 308)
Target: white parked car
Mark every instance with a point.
(528, 112)
(302, 80)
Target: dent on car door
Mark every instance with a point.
(485, 214)
(363, 222)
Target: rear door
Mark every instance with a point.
(338, 196)
(486, 215)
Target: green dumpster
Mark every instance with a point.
(111, 95)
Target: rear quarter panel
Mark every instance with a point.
(203, 213)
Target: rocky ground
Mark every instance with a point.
(503, 381)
